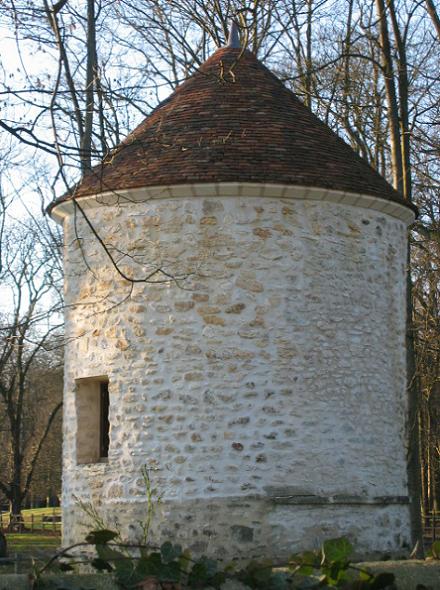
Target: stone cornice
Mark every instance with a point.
(403, 212)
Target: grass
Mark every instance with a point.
(32, 543)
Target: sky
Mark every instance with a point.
(17, 181)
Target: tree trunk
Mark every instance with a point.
(400, 161)
(3, 545)
(403, 85)
(430, 7)
(15, 506)
(86, 139)
(390, 88)
(308, 72)
(413, 390)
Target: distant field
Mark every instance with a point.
(37, 519)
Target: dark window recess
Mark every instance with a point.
(104, 438)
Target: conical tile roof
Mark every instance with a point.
(234, 121)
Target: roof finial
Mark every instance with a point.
(234, 36)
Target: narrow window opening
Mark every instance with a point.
(93, 425)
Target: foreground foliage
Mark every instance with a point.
(172, 568)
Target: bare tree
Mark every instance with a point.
(27, 334)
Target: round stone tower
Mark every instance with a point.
(235, 321)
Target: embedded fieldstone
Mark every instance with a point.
(211, 206)
(208, 309)
(249, 330)
(200, 297)
(193, 376)
(208, 221)
(115, 491)
(250, 285)
(243, 534)
(166, 419)
(138, 308)
(193, 349)
(243, 420)
(237, 446)
(262, 233)
(122, 344)
(213, 320)
(184, 305)
(236, 308)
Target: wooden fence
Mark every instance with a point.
(47, 520)
(431, 527)
(12, 563)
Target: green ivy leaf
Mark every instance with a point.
(336, 572)
(304, 564)
(231, 567)
(197, 576)
(170, 552)
(171, 572)
(307, 584)
(279, 581)
(257, 574)
(365, 576)
(149, 565)
(122, 564)
(360, 585)
(210, 565)
(101, 537)
(382, 581)
(202, 572)
(218, 580)
(185, 561)
(153, 566)
(302, 570)
(337, 549)
(101, 565)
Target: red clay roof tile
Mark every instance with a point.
(234, 121)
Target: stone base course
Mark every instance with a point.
(249, 528)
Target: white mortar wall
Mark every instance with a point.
(274, 365)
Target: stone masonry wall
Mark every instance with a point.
(263, 385)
